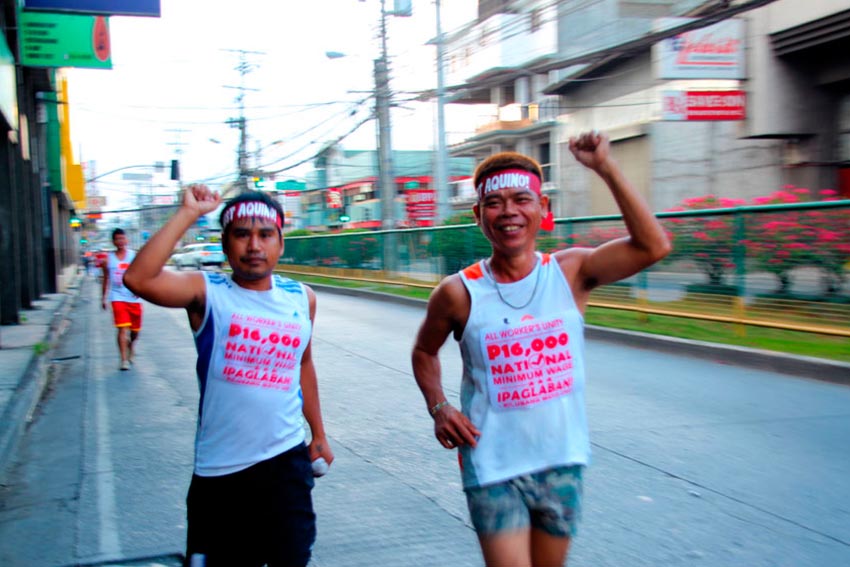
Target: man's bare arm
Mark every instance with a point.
(104, 284)
(319, 446)
(646, 244)
(445, 313)
(146, 277)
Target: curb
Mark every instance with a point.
(795, 365)
(18, 413)
(799, 366)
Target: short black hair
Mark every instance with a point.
(117, 232)
(250, 196)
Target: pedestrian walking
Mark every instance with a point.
(126, 306)
(521, 429)
(249, 502)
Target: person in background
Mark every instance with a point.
(249, 501)
(521, 429)
(126, 306)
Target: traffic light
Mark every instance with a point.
(175, 170)
(259, 182)
(75, 223)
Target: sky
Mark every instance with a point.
(173, 84)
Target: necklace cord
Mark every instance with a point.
(499, 290)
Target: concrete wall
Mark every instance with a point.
(691, 159)
(783, 101)
(786, 14)
(686, 159)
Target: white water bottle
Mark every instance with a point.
(320, 467)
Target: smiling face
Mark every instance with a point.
(510, 218)
(253, 246)
(510, 201)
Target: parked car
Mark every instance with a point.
(199, 255)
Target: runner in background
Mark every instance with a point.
(518, 317)
(126, 306)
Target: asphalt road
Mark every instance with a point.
(695, 462)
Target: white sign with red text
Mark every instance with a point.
(703, 105)
(713, 52)
(527, 364)
(261, 352)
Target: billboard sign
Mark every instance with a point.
(713, 52)
(421, 204)
(64, 40)
(703, 105)
(104, 7)
(96, 202)
(163, 199)
(402, 8)
(334, 198)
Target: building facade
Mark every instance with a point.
(344, 190)
(606, 69)
(38, 228)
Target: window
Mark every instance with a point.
(545, 154)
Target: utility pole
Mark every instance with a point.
(244, 67)
(441, 166)
(160, 214)
(385, 165)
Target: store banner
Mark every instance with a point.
(421, 203)
(104, 7)
(334, 198)
(64, 40)
(703, 105)
(713, 52)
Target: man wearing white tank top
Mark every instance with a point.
(521, 430)
(126, 306)
(249, 501)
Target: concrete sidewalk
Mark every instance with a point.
(25, 360)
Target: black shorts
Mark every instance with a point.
(257, 516)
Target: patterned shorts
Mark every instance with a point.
(549, 500)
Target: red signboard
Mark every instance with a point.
(703, 105)
(421, 203)
(334, 198)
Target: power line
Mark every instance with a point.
(334, 142)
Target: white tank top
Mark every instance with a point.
(115, 270)
(523, 375)
(249, 372)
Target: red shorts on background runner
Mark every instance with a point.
(127, 314)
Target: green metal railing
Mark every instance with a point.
(780, 266)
